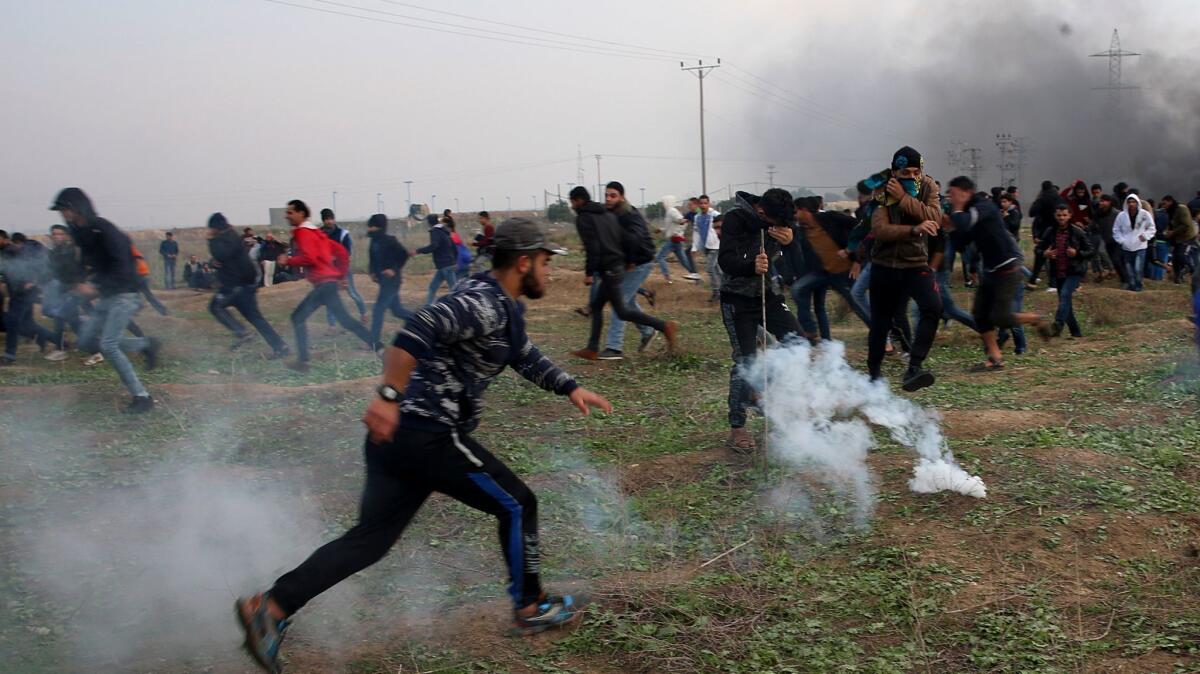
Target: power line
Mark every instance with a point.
(481, 34)
(674, 55)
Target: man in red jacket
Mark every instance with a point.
(325, 265)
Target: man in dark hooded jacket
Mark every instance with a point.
(25, 267)
(388, 257)
(237, 287)
(603, 243)
(108, 258)
(758, 237)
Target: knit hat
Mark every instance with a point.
(907, 157)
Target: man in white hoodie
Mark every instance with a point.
(1133, 229)
(674, 225)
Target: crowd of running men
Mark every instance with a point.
(897, 250)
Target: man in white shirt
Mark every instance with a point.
(705, 238)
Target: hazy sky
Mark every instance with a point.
(167, 110)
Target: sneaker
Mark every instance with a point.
(56, 356)
(240, 341)
(1051, 289)
(139, 404)
(298, 366)
(586, 312)
(586, 354)
(550, 613)
(1031, 285)
(671, 333)
(916, 379)
(740, 441)
(610, 354)
(94, 359)
(264, 634)
(281, 353)
(691, 277)
(151, 353)
(646, 339)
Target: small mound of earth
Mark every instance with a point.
(981, 423)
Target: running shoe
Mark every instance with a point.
(916, 379)
(610, 354)
(298, 365)
(94, 359)
(56, 356)
(151, 353)
(586, 354)
(552, 612)
(139, 404)
(264, 634)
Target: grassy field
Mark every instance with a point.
(1083, 558)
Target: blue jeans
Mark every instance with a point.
(862, 284)
(1135, 265)
(354, 295)
(950, 310)
(245, 300)
(388, 300)
(325, 294)
(811, 289)
(629, 287)
(102, 332)
(676, 247)
(169, 273)
(1066, 310)
(447, 274)
(714, 270)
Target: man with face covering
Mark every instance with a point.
(420, 441)
(909, 215)
(746, 256)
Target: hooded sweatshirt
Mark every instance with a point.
(636, 241)
(741, 242)
(1133, 235)
(1081, 209)
(323, 259)
(106, 251)
(385, 251)
(673, 220)
(234, 267)
(980, 223)
(441, 245)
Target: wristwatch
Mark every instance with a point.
(388, 393)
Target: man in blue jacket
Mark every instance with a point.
(445, 257)
(419, 441)
(388, 257)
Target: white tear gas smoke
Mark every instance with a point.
(819, 408)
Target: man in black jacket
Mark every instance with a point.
(108, 258)
(603, 244)
(388, 257)
(1067, 249)
(236, 287)
(756, 234)
(169, 250)
(974, 219)
(25, 267)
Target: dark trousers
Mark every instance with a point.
(325, 295)
(401, 474)
(890, 287)
(1183, 259)
(245, 300)
(144, 289)
(610, 293)
(995, 298)
(1065, 315)
(743, 318)
(19, 322)
(809, 292)
(1116, 254)
(388, 300)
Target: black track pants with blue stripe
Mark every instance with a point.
(400, 475)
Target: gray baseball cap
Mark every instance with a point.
(524, 234)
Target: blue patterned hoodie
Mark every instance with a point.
(462, 342)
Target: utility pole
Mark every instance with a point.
(534, 197)
(408, 196)
(379, 202)
(433, 203)
(599, 181)
(1114, 55)
(509, 203)
(578, 164)
(771, 174)
(482, 204)
(643, 198)
(701, 71)
(335, 201)
(456, 205)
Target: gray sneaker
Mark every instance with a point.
(610, 354)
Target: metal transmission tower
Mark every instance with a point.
(961, 156)
(1114, 54)
(701, 71)
(1007, 146)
